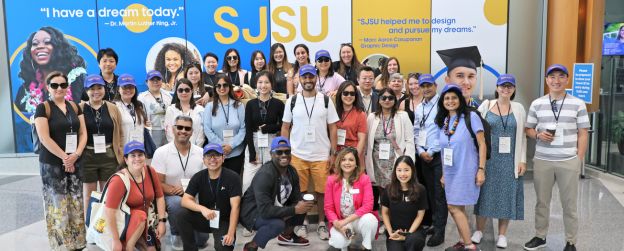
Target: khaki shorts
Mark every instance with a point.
(318, 170)
(98, 167)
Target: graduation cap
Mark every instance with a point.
(463, 56)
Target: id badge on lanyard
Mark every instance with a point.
(342, 136)
(310, 134)
(448, 156)
(263, 139)
(504, 145)
(228, 135)
(384, 151)
(71, 142)
(99, 143)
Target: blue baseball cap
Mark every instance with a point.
(126, 79)
(213, 147)
(426, 78)
(152, 74)
(92, 80)
(133, 146)
(506, 78)
(556, 67)
(322, 53)
(279, 142)
(448, 87)
(307, 69)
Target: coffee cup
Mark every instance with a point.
(551, 128)
(308, 197)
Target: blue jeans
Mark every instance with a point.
(173, 208)
(267, 229)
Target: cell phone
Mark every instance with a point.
(349, 233)
(405, 233)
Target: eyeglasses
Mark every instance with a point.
(185, 128)
(348, 93)
(219, 86)
(281, 152)
(183, 90)
(323, 60)
(231, 58)
(128, 87)
(57, 85)
(387, 98)
(213, 155)
(508, 87)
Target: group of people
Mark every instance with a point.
(377, 155)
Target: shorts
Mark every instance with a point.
(98, 167)
(318, 170)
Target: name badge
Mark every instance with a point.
(558, 140)
(263, 139)
(99, 143)
(448, 156)
(384, 151)
(422, 138)
(354, 191)
(214, 223)
(71, 142)
(227, 136)
(342, 136)
(407, 199)
(184, 183)
(310, 134)
(137, 134)
(504, 145)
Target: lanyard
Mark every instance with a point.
(321, 85)
(140, 190)
(68, 117)
(425, 117)
(553, 107)
(160, 100)
(387, 126)
(348, 73)
(235, 77)
(264, 108)
(306, 107)
(506, 121)
(130, 108)
(227, 114)
(344, 117)
(98, 116)
(188, 156)
(370, 104)
(215, 193)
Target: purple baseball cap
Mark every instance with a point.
(92, 80)
(307, 69)
(152, 74)
(133, 146)
(506, 78)
(279, 142)
(213, 147)
(448, 87)
(426, 78)
(126, 79)
(556, 67)
(322, 53)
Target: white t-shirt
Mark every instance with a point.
(318, 119)
(132, 126)
(198, 129)
(155, 110)
(166, 161)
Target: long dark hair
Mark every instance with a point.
(385, 76)
(64, 57)
(272, 64)
(355, 63)
(138, 105)
(159, 65)
(443, 112)
(395, 107)
(253, 58)
(413, 188)
(201, 84)
(296, 63)
(358, 169)
(226, 65)
(216, 100)
(357, 103)
(176, 100)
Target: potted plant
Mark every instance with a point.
(617, 129)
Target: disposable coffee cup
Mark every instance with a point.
(308, 197)
(552, 128)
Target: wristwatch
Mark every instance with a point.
(164, 220)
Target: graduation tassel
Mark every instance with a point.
(481, 81)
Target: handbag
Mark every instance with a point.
(152, 218)
(98, 231)
(148, 142)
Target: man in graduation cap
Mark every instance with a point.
(462, 66)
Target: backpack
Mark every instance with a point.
(487, 131)
(35, 138)
(293, 101)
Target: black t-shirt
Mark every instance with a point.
(59, 124)
(106, 125)
(225, 187)
(280, 81)
(403, 213)
(235, 78)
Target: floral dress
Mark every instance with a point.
(383, 167)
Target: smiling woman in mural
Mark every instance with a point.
(170, 61)
(46, 51)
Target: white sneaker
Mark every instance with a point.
(322, 231)
(302, 231)
(248, 233)
(382, 228)
(176, 242)
(476, 237)
(502, 241)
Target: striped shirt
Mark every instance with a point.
(572, 117)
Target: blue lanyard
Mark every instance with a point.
(215, 193)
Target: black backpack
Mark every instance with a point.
(487, 131)
(293, 101)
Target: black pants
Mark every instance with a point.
(235, 163)
(432, 173)
(412, 242)
(189, 221)
(427, 220)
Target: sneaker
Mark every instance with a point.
(535, 243)
(301, 231)
(569, 247)
(457, 247)
(502, 242)
(176, 242)
(322, 231)
(292, 240)
(382, 228)
(247, 233)
(476, 237)
(472, 248)
(248, 247)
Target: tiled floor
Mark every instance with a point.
(601, 218)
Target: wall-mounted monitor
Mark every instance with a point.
(613, 39)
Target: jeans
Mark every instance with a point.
(267, 229)
(173, 209)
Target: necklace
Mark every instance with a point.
(446, 125)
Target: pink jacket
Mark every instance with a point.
(363, 200)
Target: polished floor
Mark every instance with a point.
(601, 219)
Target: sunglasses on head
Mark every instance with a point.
(185, 128)
(323, 60)
(387, 98)
(231, 58)
(219, 86)
(281, 152)
(183, 90)
(57, 85)
(348, 93)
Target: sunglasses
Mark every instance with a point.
(128, 87)
(348, 93)
(281, 152)
(57, 85)
(387, 98)
(183, 90)
(231, 58)
(323, 60)
(185, 128)
(219, 86)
